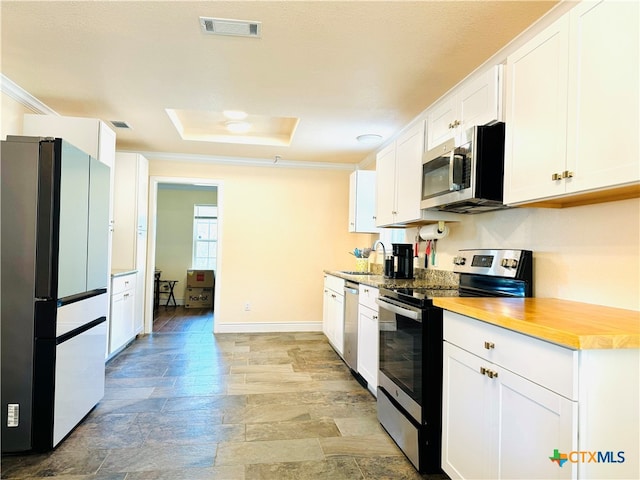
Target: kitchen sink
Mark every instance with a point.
(356, 273)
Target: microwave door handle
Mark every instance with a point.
(456, 172)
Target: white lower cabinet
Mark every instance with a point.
(368, 336)
(333, 312)
(498, 416)
(123, 311)
(511, 403)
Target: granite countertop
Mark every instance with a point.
(423, 278)
(575, 325)
(122, 273)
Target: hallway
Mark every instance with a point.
(183, 404)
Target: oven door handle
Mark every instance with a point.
(405, 312)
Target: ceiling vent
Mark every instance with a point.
(224, 26)
(120, 124)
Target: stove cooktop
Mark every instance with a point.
(418, 296)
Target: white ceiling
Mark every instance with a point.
(344, 68)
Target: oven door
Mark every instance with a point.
(401, 357)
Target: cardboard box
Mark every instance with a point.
(198, 298)
(200, 278)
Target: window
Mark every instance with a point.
(205, 236)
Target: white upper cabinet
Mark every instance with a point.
(90, 135)
(409, 150)
(362, 201)
(399, 181)
(477, 101)
(399, 188)
(130, 209)
(386, 185)
(572, 112)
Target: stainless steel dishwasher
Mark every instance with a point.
(351, 291)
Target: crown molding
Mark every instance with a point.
(242, 161)
(19, 94)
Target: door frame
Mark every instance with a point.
(154, 180)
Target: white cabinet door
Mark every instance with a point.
(532, 422)
(362, 201)
(337, 321)
(325, 312)
(536, 117)
(386, 185)
(368, 345)
(603, 144)
(480, 100)
(477, 101)
(333, 312)
(125, 212)
(122, 313)
(467, 416)
(142, 187)
(409, 150)
(440, 120)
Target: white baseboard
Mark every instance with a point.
(266, 327)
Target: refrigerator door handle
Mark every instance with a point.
(48, 205)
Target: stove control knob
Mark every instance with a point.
(462, 260)
(504, 263)
(513, 263)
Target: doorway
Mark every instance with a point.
(176, 262)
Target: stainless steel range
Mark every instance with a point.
(410, 375)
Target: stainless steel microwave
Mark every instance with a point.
(466, 173)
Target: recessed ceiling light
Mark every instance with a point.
(369, 138)
(237, 126)
(235, 114)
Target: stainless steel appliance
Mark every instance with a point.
(55, 236)
(465, 174)
(350, 349)
(400, 265)
(410, 369)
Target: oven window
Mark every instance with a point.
(435, 177)
(401, 352)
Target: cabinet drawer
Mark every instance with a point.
(368, 297)
(544, 363)
(334, 283)
(123, 283)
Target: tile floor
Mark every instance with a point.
(184, 404)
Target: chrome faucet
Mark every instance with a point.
(375, 248)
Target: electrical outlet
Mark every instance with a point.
(247, 307)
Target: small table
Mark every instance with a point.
(170, 284)
(156, 288)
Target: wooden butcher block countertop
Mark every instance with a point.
(579, 326)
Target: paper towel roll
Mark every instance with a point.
(431, 232)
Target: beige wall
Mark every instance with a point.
(588, 254)
(174, 233)
(12, 117)
(279, 228)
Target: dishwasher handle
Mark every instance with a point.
(351, 288)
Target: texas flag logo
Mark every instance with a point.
(559, 458)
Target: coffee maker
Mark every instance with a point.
(400, 265)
